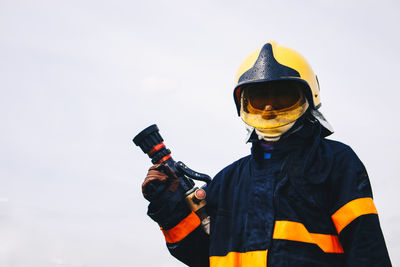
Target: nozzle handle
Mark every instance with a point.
(180, 166)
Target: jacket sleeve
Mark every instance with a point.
(354, 214)
(183, 233)
(193, 249)
(186, 240)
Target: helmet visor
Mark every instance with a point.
(272, 105)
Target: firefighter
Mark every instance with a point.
(298, 199)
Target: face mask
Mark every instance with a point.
(273, 135)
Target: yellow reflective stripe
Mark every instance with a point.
(352, 210)
(295, 231)
(180, 231)
(240, 259)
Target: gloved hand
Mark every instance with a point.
(159, 178)
(167, 198)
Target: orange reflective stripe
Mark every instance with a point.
(240, 259)
(295, 231)
(352, 210)
(180, 231)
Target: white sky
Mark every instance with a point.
(79, 79)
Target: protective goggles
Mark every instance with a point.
(273, 104)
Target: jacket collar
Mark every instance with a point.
(302, 136)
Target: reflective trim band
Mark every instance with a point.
(182, 229)
(295, 231)
(240, 259)
(164, 159)
(351, 211)
(155, 149)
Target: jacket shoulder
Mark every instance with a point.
(231, 168)
(226, 177)
(341, 152)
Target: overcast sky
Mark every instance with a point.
(79, 79)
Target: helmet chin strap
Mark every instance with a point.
(273, 135)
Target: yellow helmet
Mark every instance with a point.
(284, 73)
(276, 63)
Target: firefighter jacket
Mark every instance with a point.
(304, 201)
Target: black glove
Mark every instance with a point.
(167, 199)
(158, 179)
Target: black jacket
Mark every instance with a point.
(304, 201)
